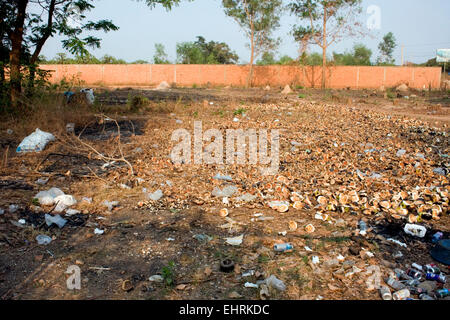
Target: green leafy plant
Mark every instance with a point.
(239, 112)
(168, 273)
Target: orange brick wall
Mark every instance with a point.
(188, 75)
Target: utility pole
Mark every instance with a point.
(403, 55)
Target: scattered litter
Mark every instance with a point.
(236, 241)
(251, 285)
(310, 228)
(283, 247)
(42, 181)
(22, 221)
(308, 249)
(225, 192)
(415, 230)
(397, 242)
(63, 202)
(13, 208)
(275, 283)
(440, 171)
(227, 266)
(35, 142)
(110, 205)
(2, 212)
(58, 220)
(157, 195)
(247, 197)
(250, 273)
(223, 178)
(72, 212)
(89, 95)
(99, 231)
(315, 260)
(43, 239)
(202, 237)
(88, 200)
(156, 278)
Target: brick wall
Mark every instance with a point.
(187, 75)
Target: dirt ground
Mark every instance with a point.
(339, 160)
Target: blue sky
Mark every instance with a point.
(422, 26)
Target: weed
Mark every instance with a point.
(302, 96)
(168, 273)
(390, 94)
(239, 112)
(137, 102)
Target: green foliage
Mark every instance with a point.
(338, 15)
(239, 111)
(258, 19)
(390, 94)
(168, 273)
(137, 102)
(360, 56)
(160, 56)
(202, 52)
(387, 47)
(267, 59)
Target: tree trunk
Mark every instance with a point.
(324, 50)
(16, 38)
(252, 56)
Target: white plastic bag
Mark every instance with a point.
(35, 142)
(89, 95)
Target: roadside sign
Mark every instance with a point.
(443, 55)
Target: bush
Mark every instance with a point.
(137, 102)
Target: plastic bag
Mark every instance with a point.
(89, 95)
(35, 142)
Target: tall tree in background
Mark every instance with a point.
(259, 19)
(202, 52)
(360, 56)
(387, 47)
(29, 31)
(329, 22)
(160, 56)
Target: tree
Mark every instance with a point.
(202, 52)
(258, 19)
(329, 22)
(28, 31)
(267, 59)
(285, 60)
(360, 56)
(160, 56)
(387, 47)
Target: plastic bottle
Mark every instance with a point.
(401, 295)
(273, 282)
(385, 293)
(283, 247)
(402, 274)
(394, 284)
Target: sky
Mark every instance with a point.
(422, 26)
